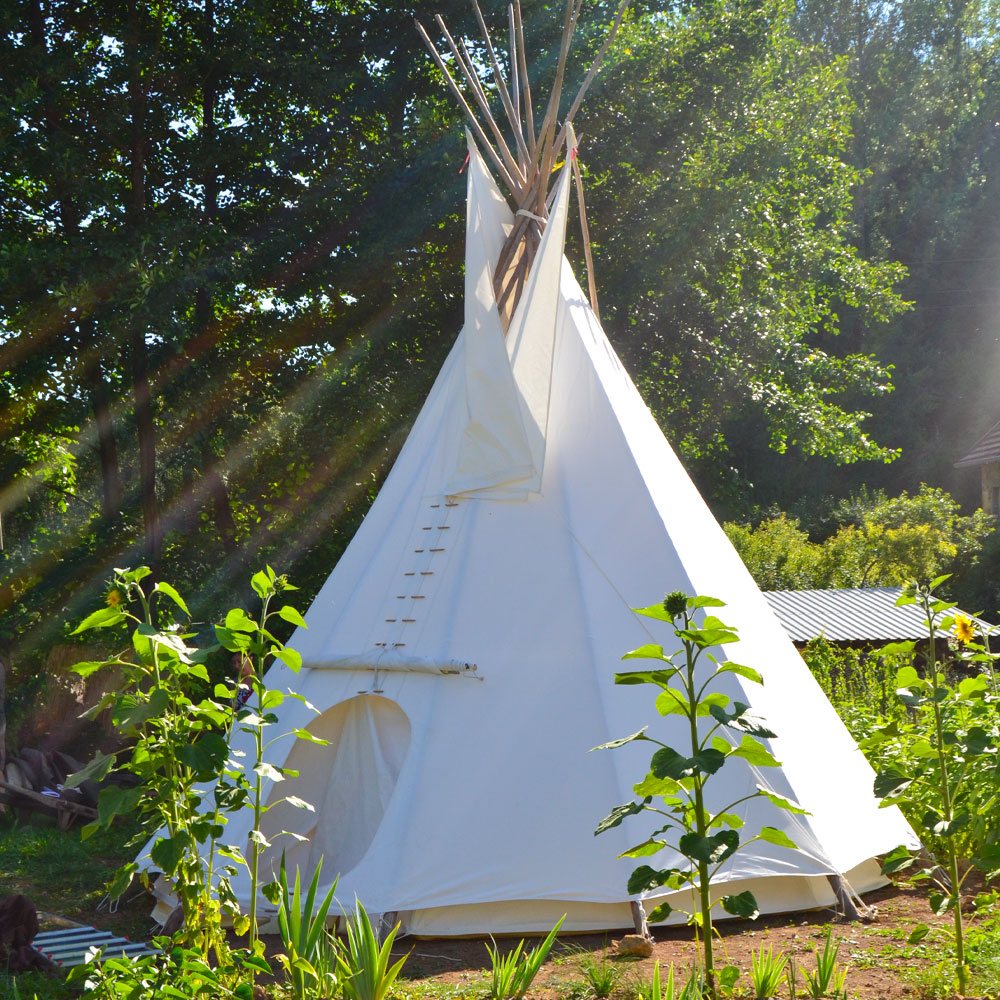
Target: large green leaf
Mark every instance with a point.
(290, 614)
(86, 667)
(706, 637)
(657, 611)
(754, 752)
(773, 835)
(651, 651)
(102, 618)
(651, 785)
(661, 678)
(166, 854)
(237, 620)
(667, 763)
(729, 667)
(290, 657)
(742, 719)
(166, 588)
(640, 735)
(96, 770)
(898, 860)
(150, 706)
(617, 814)
(705, 602)
(269, 771)
(122, 880)
(644, 878)
(115, 801)
(645, 849)
(890, 783)
(713, 849)
(742, 905)
(781, 801)
(205, 756)
(672, 702)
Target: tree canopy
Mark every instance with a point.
(230, 251)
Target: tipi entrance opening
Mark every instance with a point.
(349, 781)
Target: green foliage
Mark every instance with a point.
(308, 950)
(193, 209)
(726, 225)
(677, 779)
(942, 767)
(177, 740)
(670, 990)
(512, 974)
(177, 973)
(982, 945)
(767, 971)
(828, 979)
(879, 541)
(924, 91)
(860, 683)
(601, 975)
(177, 744)
(365, 972)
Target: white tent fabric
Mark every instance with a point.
(535, 503)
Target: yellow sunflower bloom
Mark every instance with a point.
(963, 629)
(113, 598)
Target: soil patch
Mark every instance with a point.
(877, 952)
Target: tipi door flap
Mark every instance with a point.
(349, 781)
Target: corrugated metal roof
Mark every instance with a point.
(986, 449)
(864, 615)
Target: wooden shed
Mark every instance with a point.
(986, 454)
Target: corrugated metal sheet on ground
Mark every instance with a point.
(864, 615)
(69, 947)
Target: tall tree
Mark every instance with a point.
(722, 210)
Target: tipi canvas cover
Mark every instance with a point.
(461, 655)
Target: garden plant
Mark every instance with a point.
(177, 728)
(940, 765)
(705, 839)
(511, 975)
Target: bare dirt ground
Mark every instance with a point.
(877, 952)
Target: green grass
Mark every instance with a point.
(66, 876)
(33, 986)
(982, 945)
(474, 986)
(63, 875)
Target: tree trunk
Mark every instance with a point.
(107, 447)
(3, 710)
(215, 487)
(138, 351)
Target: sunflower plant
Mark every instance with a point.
(177, 726)
(940, 767)
(700, 837)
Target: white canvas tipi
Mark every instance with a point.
(462, 653)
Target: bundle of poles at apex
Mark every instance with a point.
(527, 168)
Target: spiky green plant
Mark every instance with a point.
(512, 974)
(363, 962)
(303, 934)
